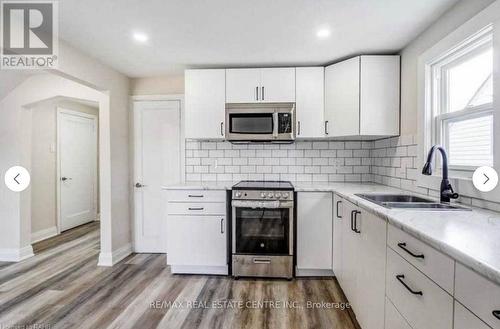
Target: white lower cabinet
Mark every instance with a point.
(394, 320)
(314, 233)
(197, 232)
(419, 300)
(337, 238)
(464, 319)
(363, 264)
(478, 294)
(197, 241)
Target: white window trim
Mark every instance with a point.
(461, 180)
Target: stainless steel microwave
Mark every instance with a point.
(266, 122)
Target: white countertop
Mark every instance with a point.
(470, 237)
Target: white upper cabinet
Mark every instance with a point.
(278, 85)
(205, 103)
(243, 85)
(269, 85)
(362, 97)
(342, 98)
(310, 102)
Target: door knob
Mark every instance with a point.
(139, 185)
(66, 178)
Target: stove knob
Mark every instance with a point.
(270, 195)
(285, 195)
(277, 195)
(263, 195)
(238, 194)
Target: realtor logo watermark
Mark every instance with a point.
(29, 36)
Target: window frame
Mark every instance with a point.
(437, 84)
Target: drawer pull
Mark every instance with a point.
(200, 208)
(338, 202)
(195, 196)
(402, 245)
(356, 221)
(262, 261)
(400, 279)
(496, 314)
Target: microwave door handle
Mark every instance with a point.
(275, 124)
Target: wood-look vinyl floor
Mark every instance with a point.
(62, 287)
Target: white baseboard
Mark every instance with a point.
(16, 255)
(111, 258)
(44, 234)
(191, 269)
(313, 272)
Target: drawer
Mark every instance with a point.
(428, 306)
(196, 208)
(478, 294)
(263, 266)
(394, 320)
(196, 196)
(464, 319)
(436, 265)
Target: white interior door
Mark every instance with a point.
(77, 152)
(157, 163)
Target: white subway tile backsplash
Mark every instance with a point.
(390, 161)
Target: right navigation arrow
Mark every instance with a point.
(487, 179)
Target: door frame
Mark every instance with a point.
(134, 100)
(60, 112)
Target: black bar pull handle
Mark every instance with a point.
(400, 278)
(338, 202)
(222, 225)
(496, 314)
(356, 212)
(201, 208)
(326, 127)
(402, 245)
(195, 196)
(222, 128)
(352, 220)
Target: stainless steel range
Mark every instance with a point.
(262, 229)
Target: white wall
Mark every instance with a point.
(44, 161)
(164, 85)
(110, 89)
(452, 19)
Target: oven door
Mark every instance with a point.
(262, 227)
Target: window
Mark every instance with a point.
(462, 102)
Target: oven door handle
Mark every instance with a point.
(262, 204)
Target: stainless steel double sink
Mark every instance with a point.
(404, 201)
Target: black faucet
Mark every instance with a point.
(446, 191)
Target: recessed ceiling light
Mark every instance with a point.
(140, 37)
(323, 33)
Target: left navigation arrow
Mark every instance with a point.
(17, 178)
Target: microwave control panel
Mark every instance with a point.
(284, 123)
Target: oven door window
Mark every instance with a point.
(251, 123)
(262, 231)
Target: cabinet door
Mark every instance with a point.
(394, 320)
(243, 85)
(314, 230)
(196, 240)
(379, 95)
(371, 270)
(464, 319)
(342, 98)
(310, 101)
(205, 103)
(350, 255)
(278, 85)
(337, 238)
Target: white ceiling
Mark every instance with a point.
(215, 33)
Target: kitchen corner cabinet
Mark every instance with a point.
(363, 264)
(205, 101)
(362, 97)
(310, 101)
(262, 85)
(314, 233)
